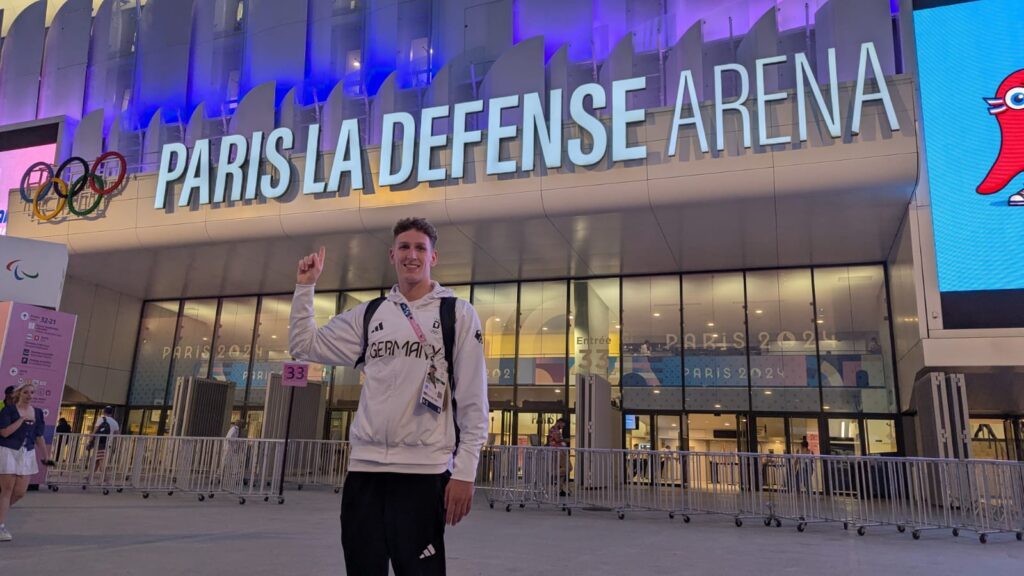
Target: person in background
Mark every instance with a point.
(233, 432)
(645, 348)
(556, 439)
(63, 427)
(104, 429)
(21, 445)
(8, 392)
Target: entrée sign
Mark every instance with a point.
(238, 168)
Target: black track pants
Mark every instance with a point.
(396, 517)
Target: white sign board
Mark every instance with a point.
(32, 271)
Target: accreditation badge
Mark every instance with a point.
(434, 389)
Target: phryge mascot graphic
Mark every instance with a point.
(1008, 108)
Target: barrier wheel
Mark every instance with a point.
(120, 490)
(522, 505)
(210, 496)
(861, 531)
(1020, 535)
(686, 519)
(508, 507)
(801, 527)
(846, 525)
(280, 499)
(568, 511)
(170, 492)
(57, 489)
(671, 515)
(241, 501)
(983, 538)
(767, 522)
(84, 487)
(145, 495)
(106, 491)
(778, 523)
(336, 490)
(266, 498)
(916, 534)
(300, 487)
(739, 522)
(956, 531)
(622, 515)
(201, 497)
(901, 528)
(491, 504)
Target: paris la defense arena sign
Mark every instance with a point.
(239, 158)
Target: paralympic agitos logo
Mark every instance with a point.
(20, 274)
(69, 180)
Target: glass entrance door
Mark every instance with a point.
(499, 428)
(532, 428)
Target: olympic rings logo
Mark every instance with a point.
(41, 178)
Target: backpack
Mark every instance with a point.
(447, 336)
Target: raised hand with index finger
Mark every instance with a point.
(310, 267)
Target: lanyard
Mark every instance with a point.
(412, 322)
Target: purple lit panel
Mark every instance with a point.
(564, 22)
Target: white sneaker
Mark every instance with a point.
(5, 536)
(1017, 199)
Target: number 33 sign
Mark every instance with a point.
(295, 374)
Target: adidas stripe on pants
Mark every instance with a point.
(396, 517)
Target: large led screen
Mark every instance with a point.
(971, 71)
(19, 149)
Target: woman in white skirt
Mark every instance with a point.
(21, 444)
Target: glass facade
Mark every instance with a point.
(806, 352)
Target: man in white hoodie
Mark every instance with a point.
(419, 429)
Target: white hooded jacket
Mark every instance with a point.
(391, 431)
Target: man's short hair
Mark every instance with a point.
(418, 224)
(9, 390)
(108, 410)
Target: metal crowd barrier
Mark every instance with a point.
(915, 494)
(316, 463)
(206, 467)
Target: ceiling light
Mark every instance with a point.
(618, 326)
(767, 392)
(570, 316)
(273, 336)
(758, 311)
(820, 321)
(825, 407)
(674, 425)
(657, 314)
(711, 324)
(544, 328)
(718, 405)
(728, 424)
(558, 391)
(657, 391)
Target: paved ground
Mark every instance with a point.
(91, 534)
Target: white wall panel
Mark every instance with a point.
(256, 111)
(686, 54)
(845, 25)
(163, 48)
(762, 41)
(66, 57)
(275, 43)
(20, 65)
(88, 141)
